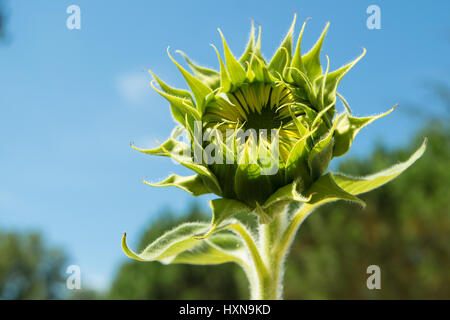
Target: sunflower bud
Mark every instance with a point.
(259, 133)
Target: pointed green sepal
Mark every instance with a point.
(246, 56)
(297, 61)
(170, 90)
(191, 184)
(223, 209)
(283, 55)
(333, 79)
(297, 162)
(322, 153)
(225, 81)
(311, 60)
(198, 88)
(209, 177)
(235, 69)
(170, 244)
(164, 149)
(218, 248)
(180, 246)
(183, 105)
(320, 102)
(325, 189)
(171, 145)
(257, 47)
(358, 185)
(288, 39)
(287, 193)
(208, 76)
(348, 127)
(260, 70)
(279, 62)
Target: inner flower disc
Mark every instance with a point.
(257, 106)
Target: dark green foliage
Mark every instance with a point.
(29, 269)
(404, 230)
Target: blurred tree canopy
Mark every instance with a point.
(404, 230)
(2, 19)
(29, 269)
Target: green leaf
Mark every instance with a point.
(170, 90)
(246, 56)
(257, 47)
(358, 185)
(225, 81)
(218, 248)
(311, 60)
(249, 184)
(297, 166)
(325, 189)
(170, 244)
(171, 145)
(333, 79)
(260, 70)
(345, 103)
(183, 105)
(223, 209)
(279, 61)
(302, 80)
(198, 88)
(283, 55)
(178, 115)
(297, 61)
(321, 154)
(347, 128)
(287, 41)
(322, 88)
(192, 184)
(208, 76)
(180, 152)
(181, 246)
(287, 193)
(209, 178)
(235, 69)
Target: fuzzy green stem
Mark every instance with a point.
(289, 234)
(268, 250)
(269, 253)
(270, 286)
(259, 274)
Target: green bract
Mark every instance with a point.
(261, 135)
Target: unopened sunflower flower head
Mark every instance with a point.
(260, 132)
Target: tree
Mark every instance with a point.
(404, 230)
(29, 269)
(2, 19)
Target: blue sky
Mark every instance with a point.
(72, 100)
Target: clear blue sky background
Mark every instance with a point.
(72, 100)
